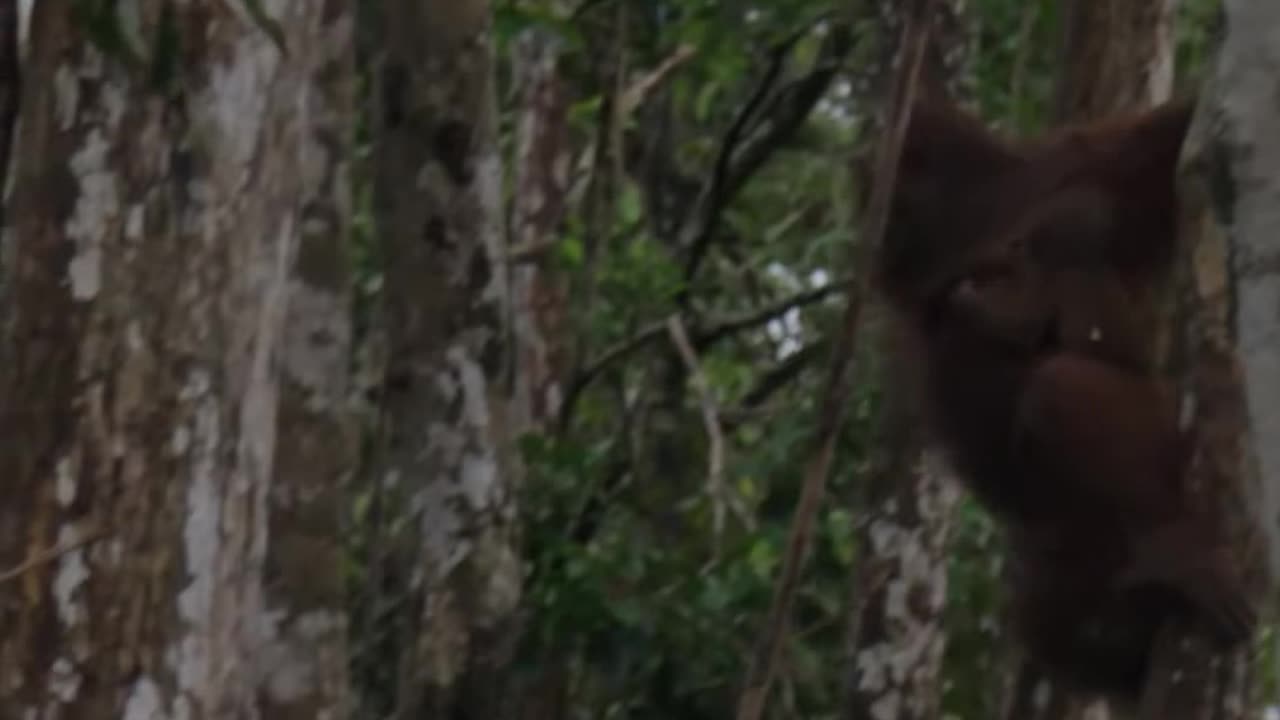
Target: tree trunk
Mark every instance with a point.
(1117, 55)
(1244, 135)
(1222, 352)
(153, 238)
(303, 667)
(901, 587)
(539, 295)
(438, 204)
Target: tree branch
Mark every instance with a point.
(636, 92)
(717, 492)
(46, 555)
(702, 340)
(778, 377)
(724, 328)
(739, 160)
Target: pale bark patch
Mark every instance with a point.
(316, 313)
(69, 579)
(287, 660)
(66, 93)
(97, 207)
(144, 701)
(237, 103)
(202, 540)
(64, 483)
(64, 680)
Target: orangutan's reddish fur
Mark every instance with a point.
(1024, 277)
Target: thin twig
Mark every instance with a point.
(738, 128)
(719, 494)
(41, 557)
(532, 251)
(832, 402)
(722, 329)
(638, 90)
(717, 331)
(755, 135)
(630, 97)
(777, 378)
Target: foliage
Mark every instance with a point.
(1014, 62)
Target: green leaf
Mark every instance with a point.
(571, 252)
(762, 557)
(840, 530)
(630, 207)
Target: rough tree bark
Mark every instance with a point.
(1116, 55)
(539, 293)
(901, 583)
(1243, 118)
(154, 228)
(448, 391)
(303, 666)
(1222, 352)
(897, 637)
